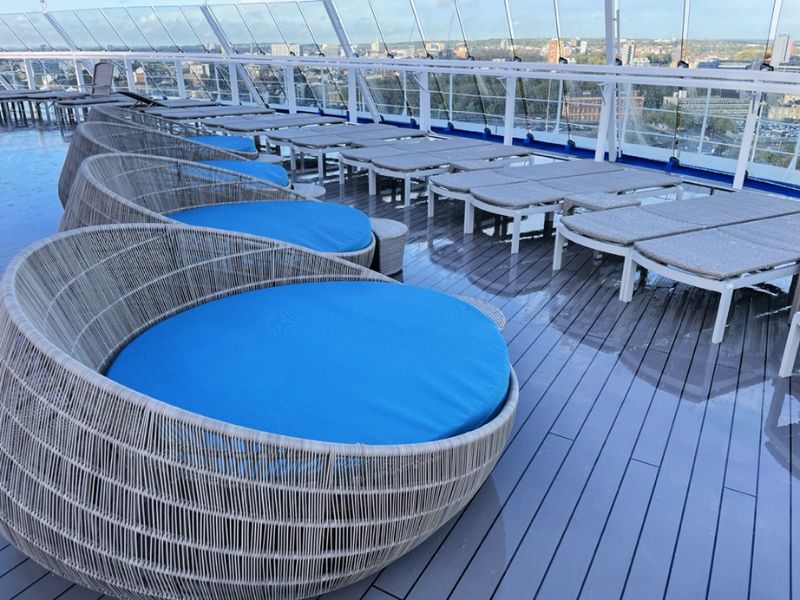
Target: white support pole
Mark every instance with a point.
(79, 75)
(291, 92)
(610, 91)
(704, 126)
(424, 101)
(352, 95)
(344, 41)
(29, 74)
(748, 135)
(508, 120)
(233, 78)
(129, 76)
(179, 79)
(229, 52)
(87, 64)
(606, 114)
(626, 113)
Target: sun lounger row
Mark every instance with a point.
(720, 243)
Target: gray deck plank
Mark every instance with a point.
(606, 577)
(730, 573)
(49, 586)
(20, 578)
(771, 563)
(694, 551)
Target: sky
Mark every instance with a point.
(709, 19)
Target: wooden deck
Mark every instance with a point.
(645, 461)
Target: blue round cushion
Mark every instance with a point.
(253, 168)
(317, 225)
(368, 362)
(234, 143)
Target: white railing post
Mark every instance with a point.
(233, 79)
(610, 89)
(129, 76)
(748, 135)
(179, 79)
(352, 95)
(424, 101)
(29, 74)
(291, 92)
(508, 120)
(79, 75)
(606, 115)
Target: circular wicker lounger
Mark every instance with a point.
(139, 499)
(135, 188)
(97, 137)
(136, 118)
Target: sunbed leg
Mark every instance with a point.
(796, 298)
(321, 167)
(628, 279)
(341, 173)
(431, 200)
(407, 191)
(373, 182)
(790, 350)
(558, 251)
(469, 217)
(516, 227)
(293, 161)
(678, 192)
(721, 321)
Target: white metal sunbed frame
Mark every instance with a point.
(446, 158)
(633, 258)
(319, 151)
(530, 174)
(724, 287)
(390, 148)
(547, 204)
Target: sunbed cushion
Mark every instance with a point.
(726, 252)
(317, 225)
(253, 168)
(234, 143)
(565, 168)
(353, 362)
(517, 195)
(601, 201)
(465, 181)
(614, 181)
(626, 226)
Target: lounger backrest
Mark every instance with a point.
(102, 79)
(133, 188)
(99, 138)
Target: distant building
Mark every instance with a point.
(627, 52)
(785, 113)
(716, 63)
(284, 49)
(583, 47)
(718, 106)
(553, 51)
(586, 109)
(782, 50)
